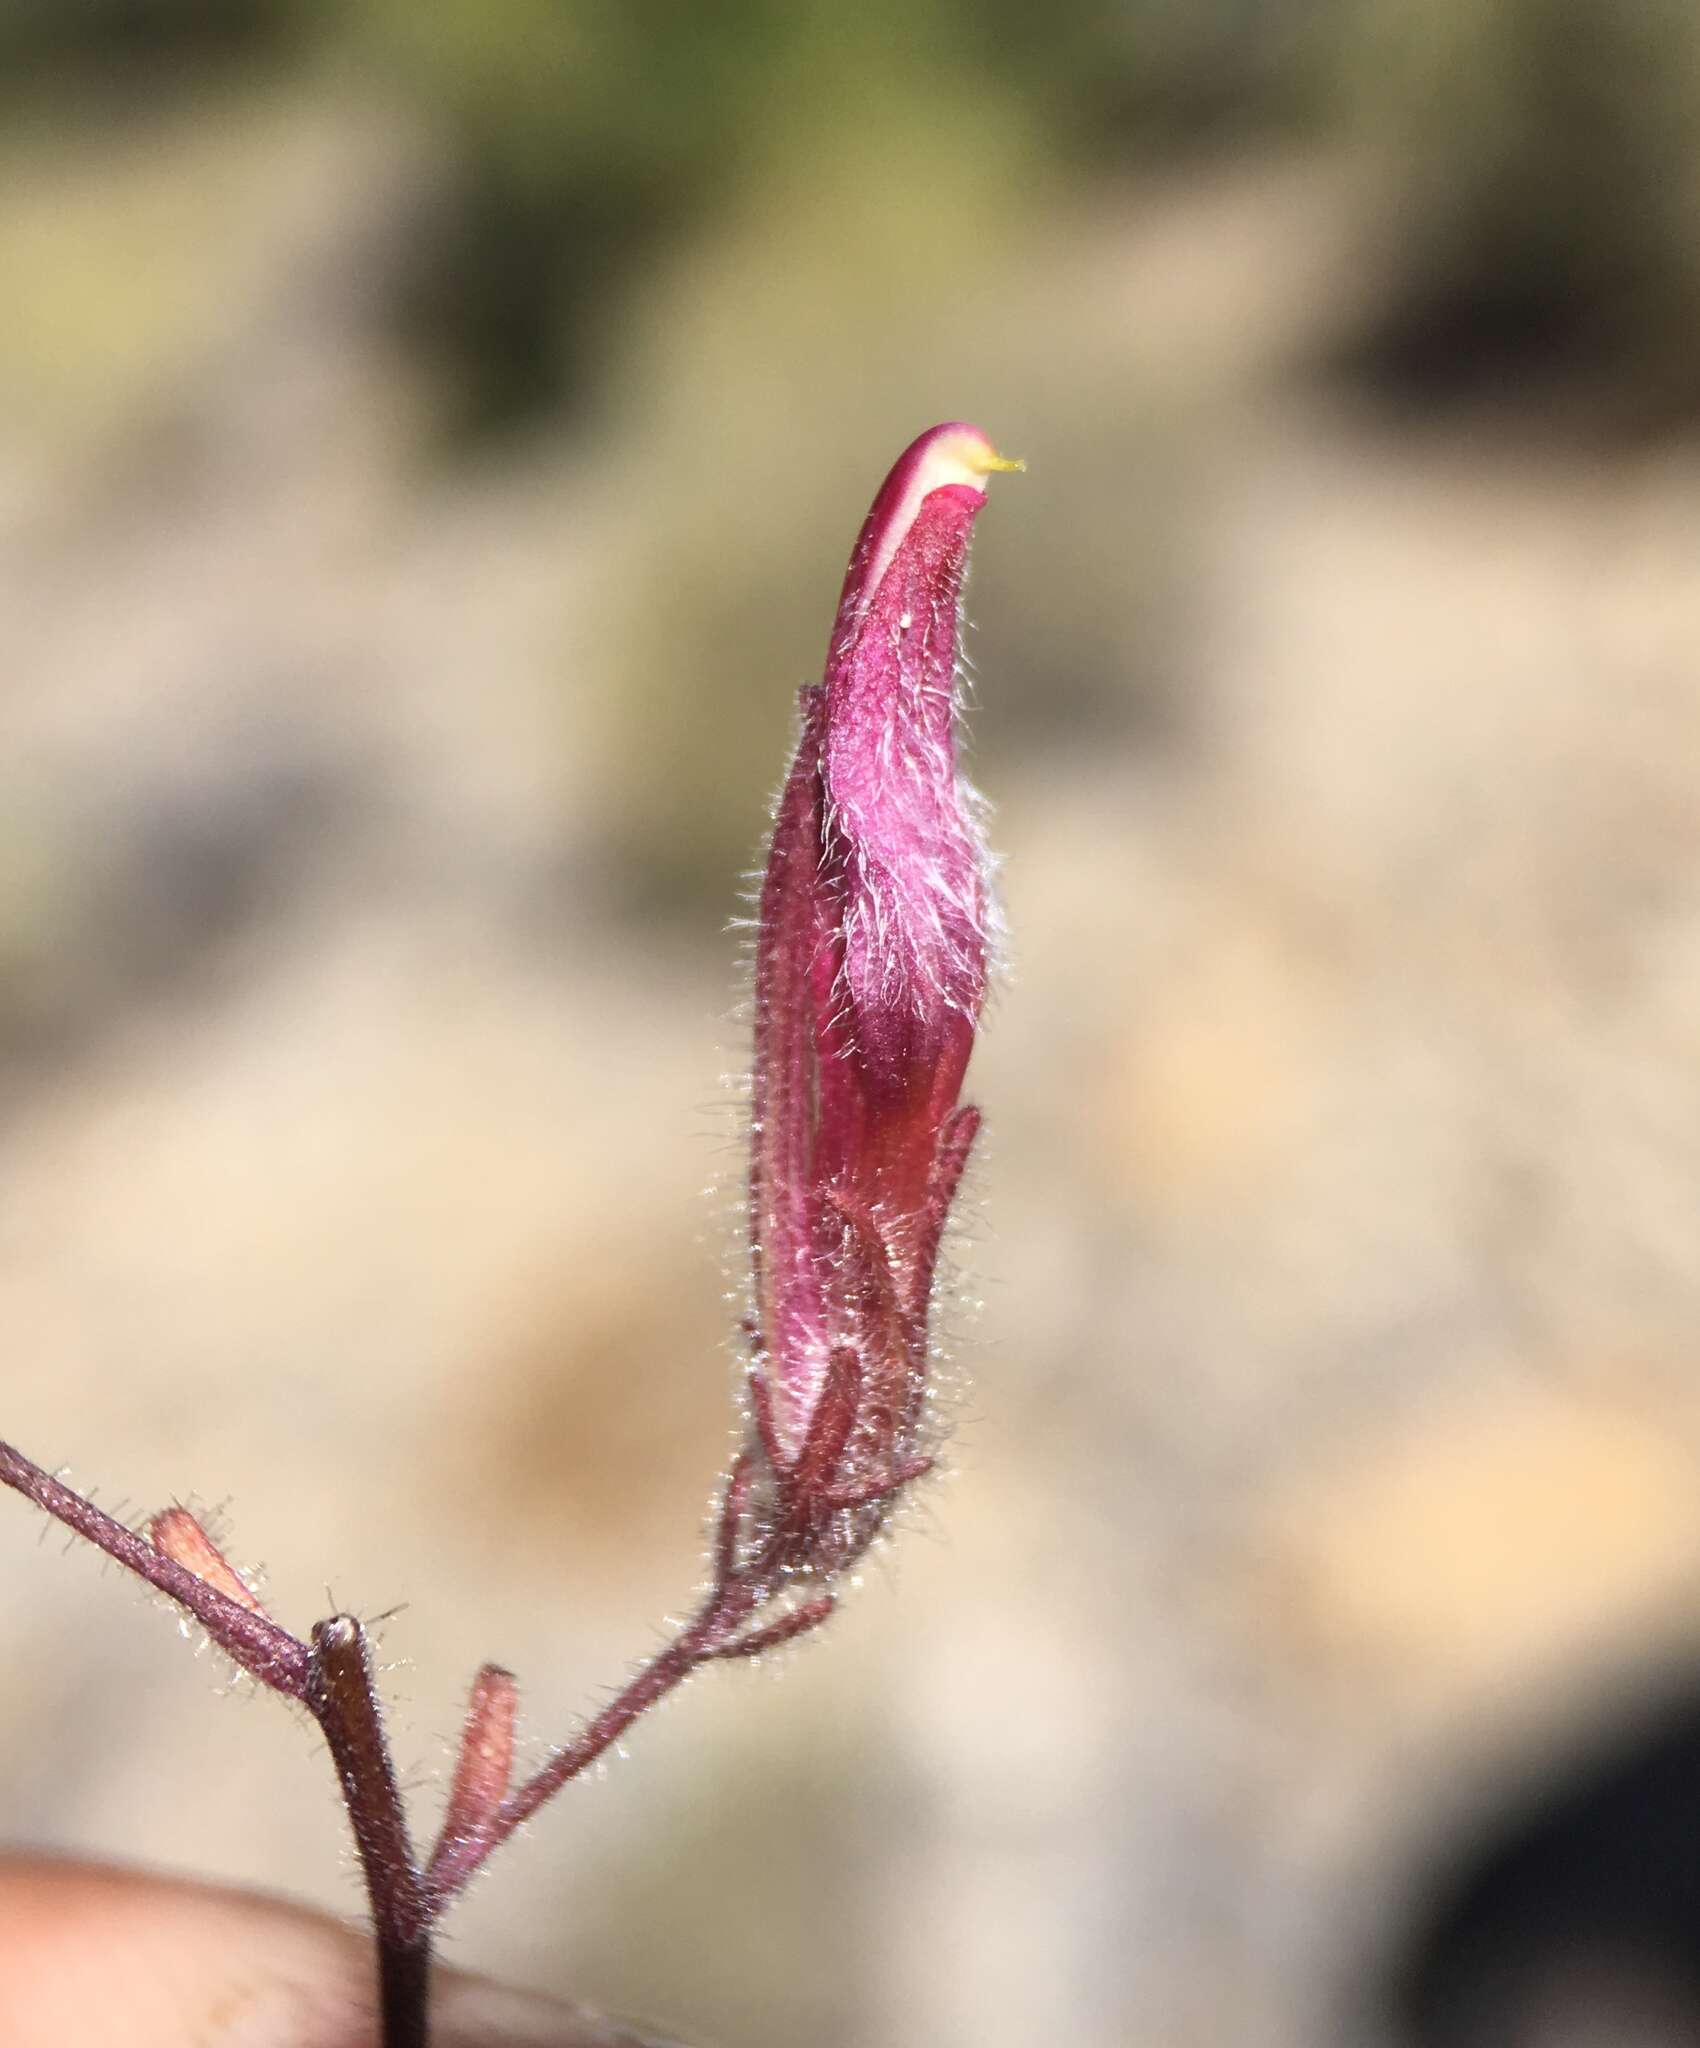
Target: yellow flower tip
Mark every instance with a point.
(952, 454)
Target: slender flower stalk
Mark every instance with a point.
(870, 973)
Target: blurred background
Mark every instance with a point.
(431, 432)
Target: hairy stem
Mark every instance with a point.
(344, 1702)
(484, 1768)
(694, 1646)
(332, 1677)
(267, 1652)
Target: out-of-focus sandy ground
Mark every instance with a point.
(1328, 1469)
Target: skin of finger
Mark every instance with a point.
(90, 1954)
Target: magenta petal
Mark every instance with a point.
(870, 975)
(900, 833)
(794, 960)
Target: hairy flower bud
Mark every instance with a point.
(870, 973)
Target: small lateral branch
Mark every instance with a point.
(882, 1488)
(734, 1504)
(786, 1630)
(249, 1638)
(174, 1532)
(484, 1768)
(456, 1860)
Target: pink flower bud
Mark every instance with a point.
(871, 958)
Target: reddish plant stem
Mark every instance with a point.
(758, 1641)
(332, 1678)
(462, 1857)
(484, 1768)
(344, 1702)
(695, 1645)
(737, 1595)
(267, 1652)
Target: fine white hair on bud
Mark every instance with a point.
(874, 930)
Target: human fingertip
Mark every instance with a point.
(472, 2012)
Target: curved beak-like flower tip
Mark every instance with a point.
(871, 958)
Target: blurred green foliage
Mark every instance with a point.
(1547, 204)
(770, 238)
(1546, 186)
(71, 41)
